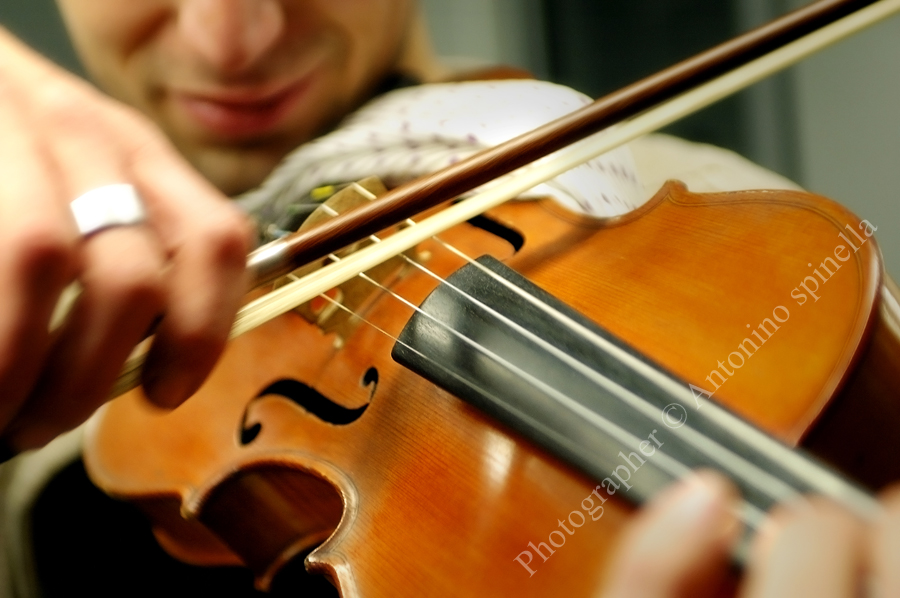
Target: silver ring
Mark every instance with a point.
(110, 205)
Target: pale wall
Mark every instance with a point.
(848, 111)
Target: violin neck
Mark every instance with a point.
(492, 338)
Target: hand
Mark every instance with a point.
(679, 547)
(183, 268)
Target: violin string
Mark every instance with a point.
(717, 415)
(750, 514)
(360, 317)
(760, 479)
(779, 490)
(730, 461)
(818, 478)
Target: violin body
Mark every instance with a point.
(309, 432)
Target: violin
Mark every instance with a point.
(309, 433)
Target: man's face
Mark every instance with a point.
(236, 84)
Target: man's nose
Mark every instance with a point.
(231, 35)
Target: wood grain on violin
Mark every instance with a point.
(418, 493)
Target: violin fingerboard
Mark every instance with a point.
(492, 338)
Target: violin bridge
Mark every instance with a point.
(339, 310)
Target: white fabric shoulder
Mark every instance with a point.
(703, 168)
(417, 130)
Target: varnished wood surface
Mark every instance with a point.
(436, 499)
(858, 433)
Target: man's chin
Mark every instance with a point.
(235, 170)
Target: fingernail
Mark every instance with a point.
(699, 507)
(703, 498)
(696, 493)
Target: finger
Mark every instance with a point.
(121, 276)
(207, 240)
(811, 548)
(120, 299)
(38, 253)
(884, 548)
(680, 545)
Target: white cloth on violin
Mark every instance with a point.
(702, 167)
(413, 131)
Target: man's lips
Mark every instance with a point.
(240, 113)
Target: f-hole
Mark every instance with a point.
(511, 236)
(311, 401)
(370, 379)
